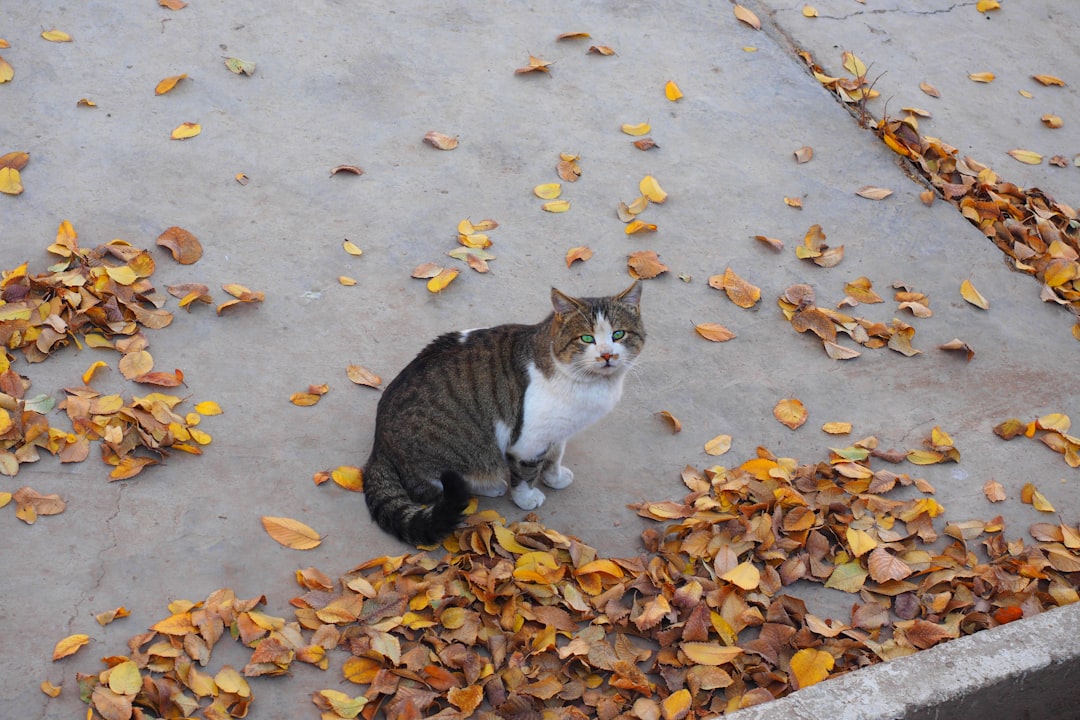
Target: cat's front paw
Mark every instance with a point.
(527, 498)
(558, 477)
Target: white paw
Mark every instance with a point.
(527, 498)
(488, 489)
(558, 478)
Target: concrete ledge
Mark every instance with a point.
(1027, 669)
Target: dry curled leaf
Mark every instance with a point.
(441, 280)
(959, 346)
(645, 264)
(575, 254)
(671, 420)
(535, 65)
(645, 144)
(240, 67)
(804, 154)
(350, 169)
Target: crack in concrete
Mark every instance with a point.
(903, 11)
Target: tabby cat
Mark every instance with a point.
(478, 411)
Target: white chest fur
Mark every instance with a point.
(558, 407)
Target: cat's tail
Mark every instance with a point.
(415, 523)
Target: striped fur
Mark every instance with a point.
(482, 411)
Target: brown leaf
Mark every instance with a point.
(185, 247)
(577, 253)
(738, 290)
(535, 65)
(350, 169)
(770, 241)
(14, 160)
(884, 566)
(929, 89)
(645, 264)
(958, 345)
(804, 154)
(672, 421)
(873, 193)
(600, 50)
(646, 144)
(994, 491)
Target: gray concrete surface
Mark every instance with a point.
(360, 83)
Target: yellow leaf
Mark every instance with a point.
(674, 422)
(186, 130)
(860, 542)
(793, 202)
(745, 575)
(969, 293)
(744, 15)
(987, 5)
(69, 645)
(352, 248)
(703, 653)
(440, 281)
(1028, 157)
(981, 77)
(548, 191)
(852, 64)
(651, 189)
(1049, 80)
(49, 689)
(1055, 421)
(676, 706)
(135, 364)
(636, 226)
(924, 457)
(1040, 503)
(199, 436)
(291, 533)
(809, 12)
(672, 91)
(810, 666)
(1052, 121)
(1026, 94)
(506, 538)
(718, 445)
(636, 129)
(556, 206)
(837, 428)
(6, 71)
(168, 84)
(125, 678)
(578, 253)
(122, 274)
(349, 477)
(346, 280)
(10, 182)
(343, 705)
(86, 376)
(208, 407)
(230, 681)
(790, 412)
(56, 36)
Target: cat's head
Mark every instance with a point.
(597, 337)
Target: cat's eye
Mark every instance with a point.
(618, 335)
(588, 339)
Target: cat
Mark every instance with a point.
(480, 411)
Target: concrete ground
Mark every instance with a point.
(360, 84)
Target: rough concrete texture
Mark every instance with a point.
(360, 83)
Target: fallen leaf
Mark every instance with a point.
(651, 189)
(739, 291)
(168, 84)
(804, 154)
(672, 91)
(16, 160)
(581, 253)
(10, 182)
(994, 491)
(853, 64)
(84, 102)
(774, 243)
(645, 264)
(6, 71)
(677, 705)
(790, 412)
(600, 50)
(969, 293)
(1028, 157)
(439, 282)
(987, 5)
(873, 193)
(573, 36)
(346, 280)
(718, 445)
(636, 226)
(440, 141)
(185, 247)
(671, 420)
(810, 666)
(636, 130)
(57, 36)
(793, 202)
(838, 352)
(958, 345)
(714, 332)
(351, 248)
(556, 206)
(1049, 80)
(362, 376)
(350, 169)
(981, 77)
(837, 428)
(809, 11)
(426, 271)
(745, 575)
(884, 566)
(135, 364)
(535, 65)
(645, 144)
(291, 533)
(349, 477)
(186, 130)
(1052, 121)
(548, 191)
(49, 689)
(69, 646)
(173, 4)
(747, 16)
(240, 67)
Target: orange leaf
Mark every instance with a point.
(291, 533)
(440, 141)
(645, 264)
(362, 376)
(672, 91)
(69, 645)
(577, 253)
(673, 421)
(981, 77)
(466, 699)
(185, 247)
(810, 666)
(349, 477)
(439, 282)
(168, 84)
(135, 364)
(714, 332)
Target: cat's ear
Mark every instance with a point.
(563, 303)
(631, 295)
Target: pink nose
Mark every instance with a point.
(608, 357)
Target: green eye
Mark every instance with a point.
(618, 335)
(588, 339)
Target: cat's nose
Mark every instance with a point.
(608, 357)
